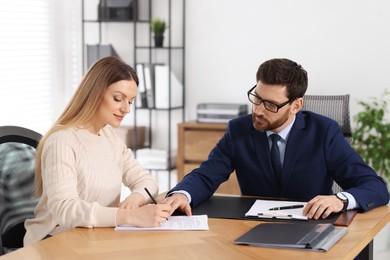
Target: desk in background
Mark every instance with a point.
(196, 140)
(216, 243)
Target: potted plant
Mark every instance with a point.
(371, 137)
(158, 27)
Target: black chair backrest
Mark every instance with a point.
(17, 134)
(17, 148)
(332, 106)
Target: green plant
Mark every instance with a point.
(158, 26)
(371, 137)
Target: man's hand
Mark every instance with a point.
(322, 206)
(178, 201)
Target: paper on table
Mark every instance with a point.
(196, 222)
(261, 209)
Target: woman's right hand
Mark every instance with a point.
(149, 215)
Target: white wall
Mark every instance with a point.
(344, 46)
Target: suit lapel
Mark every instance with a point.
(296, 136)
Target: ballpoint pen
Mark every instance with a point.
(150, 195)
(287, 207)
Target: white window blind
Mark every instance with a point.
(28, 63)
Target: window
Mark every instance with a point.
(30, 77)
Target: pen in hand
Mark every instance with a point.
(150, 195)
(287, 207)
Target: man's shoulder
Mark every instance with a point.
(309, 116)
(241, 120)
(315, 122)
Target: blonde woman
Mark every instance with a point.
(81, 163)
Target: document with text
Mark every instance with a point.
(277, 209)
(196, 222)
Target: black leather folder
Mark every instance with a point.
(228, 207)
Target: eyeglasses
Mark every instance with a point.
(270, 106)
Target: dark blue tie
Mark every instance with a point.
(275, 156)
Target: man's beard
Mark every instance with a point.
(266, 124)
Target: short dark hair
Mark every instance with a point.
(284, 72)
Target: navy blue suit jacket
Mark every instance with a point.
(316, 155)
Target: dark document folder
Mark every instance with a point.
(307, 236)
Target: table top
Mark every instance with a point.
(216, 243)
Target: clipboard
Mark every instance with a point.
(277, 209)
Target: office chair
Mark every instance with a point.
(332, 106)
(17, 162)
(335, 107)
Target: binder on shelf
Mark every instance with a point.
(141, 100)
(148, 74)
(306, 236)
(162, 88)
(219, 112)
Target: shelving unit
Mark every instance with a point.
(171, 54)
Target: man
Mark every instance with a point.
(309, 153)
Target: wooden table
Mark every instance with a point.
(216, 243)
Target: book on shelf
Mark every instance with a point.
(168, 89)
(304, 236)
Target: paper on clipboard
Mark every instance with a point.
(261, 209)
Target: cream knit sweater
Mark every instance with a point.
(82, 175)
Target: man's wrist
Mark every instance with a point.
(183, 192)
(344, 199)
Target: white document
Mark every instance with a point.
(261, 209)
(196, 222)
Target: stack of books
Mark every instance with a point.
(219, 113)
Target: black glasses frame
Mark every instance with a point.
(265, 102)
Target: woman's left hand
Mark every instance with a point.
(133, 201)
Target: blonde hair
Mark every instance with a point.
(85, 102)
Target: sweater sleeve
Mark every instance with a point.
(60, 182)
(136, 177)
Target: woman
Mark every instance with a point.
(81, 163)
